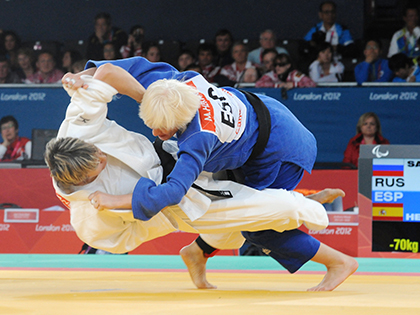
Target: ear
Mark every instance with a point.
(101, 155)
(102, 158)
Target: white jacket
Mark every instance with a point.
(219, 221)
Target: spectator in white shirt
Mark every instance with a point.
(324, 68)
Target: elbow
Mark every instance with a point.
(103, 72)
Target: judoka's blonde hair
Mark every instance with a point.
(70, 159)
(169, 104)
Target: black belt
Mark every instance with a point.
(168, 163)
(264, 123)
(166, 159)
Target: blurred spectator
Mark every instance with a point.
(134, 43)
(324, 69)
(374, 68)
(13, 146)
(6, 74)
(368, 131)
(193, 67)
(152, 52)
(268, 56)
(205, 57)
(69, 57)
(404, 40)
(111, 52)
(78, 66)
(404, 68)
(284, 76)
(328, 30)
(104, 33)
(26, 63)
(241, 70)
(267, 41)
(11, 44)
(186, 57)
(47, 72)
(223, 41)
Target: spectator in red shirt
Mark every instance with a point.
(241, 70)
(368, 131)
(47, 71)
(284, 75)
(13, 146)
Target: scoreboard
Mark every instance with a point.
(389, 175)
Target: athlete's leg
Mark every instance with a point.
(292, 249)
(339, 267)
(327, 195)
(196, 254)
(195, 257)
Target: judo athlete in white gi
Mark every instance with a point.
(335, 262)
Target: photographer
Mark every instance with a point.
(134, 43)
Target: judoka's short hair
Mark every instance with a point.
(169, 104)
(70, 159)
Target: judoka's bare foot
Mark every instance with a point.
(193, 257)
(327, 195)
(339, 268)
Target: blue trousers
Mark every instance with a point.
(292, 249)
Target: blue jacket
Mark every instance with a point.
(377, 71)
(416, 74)
(344, 36)
(289, 141)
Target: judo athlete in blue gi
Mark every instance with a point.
(222, 129)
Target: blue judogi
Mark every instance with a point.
(290, 150)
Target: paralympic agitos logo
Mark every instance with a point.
(378, 153)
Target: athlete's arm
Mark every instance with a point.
(149, 198)
(115, 76)
(101, 201)
(121, 80)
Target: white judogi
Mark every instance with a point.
(131, 155)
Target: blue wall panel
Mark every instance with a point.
(331, 114)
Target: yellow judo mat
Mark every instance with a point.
(129, 284)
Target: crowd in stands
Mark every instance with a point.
(327, 53)
(322, 56)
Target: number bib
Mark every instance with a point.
(221, 112)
